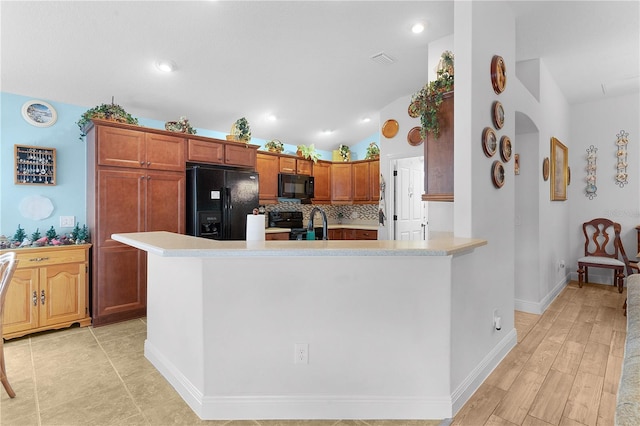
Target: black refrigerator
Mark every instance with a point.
(219, 200)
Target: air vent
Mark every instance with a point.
(382, 58)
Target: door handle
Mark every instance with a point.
(34, 298)
(42, 298)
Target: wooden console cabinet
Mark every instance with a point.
(49, 290)
(128, 190)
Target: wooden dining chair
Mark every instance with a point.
(8, 263)
(602, 249)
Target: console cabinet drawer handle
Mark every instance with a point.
(38, 259)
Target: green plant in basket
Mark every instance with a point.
(241, 130)
(373, 151)
(308, 152)
(274, 145)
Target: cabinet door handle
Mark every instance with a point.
(38, 259)
(148, 163)
(142, 163)
(42, 298)
(34, 298)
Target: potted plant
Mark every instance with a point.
(240, 131)
(274, 145)
(112, 112)
(345, 152)
(308, 152)
(373, 151)
(180, 126)
(426, 102)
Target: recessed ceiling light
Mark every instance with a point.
(166, 66)
(327, 132)
(271, 117)
(417, 28)
(366, 120)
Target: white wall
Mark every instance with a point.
(481, 210)
(598, 123)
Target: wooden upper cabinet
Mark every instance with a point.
(303, 167)
(164, 152)
(374, 180)
(288, 165)
(267, 166)
(120, 147)
(141, 150)
(341, 187)
(438, 154)
(205, 152)
(361, 181)
(322, 181)
(237, 154)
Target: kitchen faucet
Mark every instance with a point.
(324, 221)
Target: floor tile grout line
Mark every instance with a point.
(126, 388)
(35, 383)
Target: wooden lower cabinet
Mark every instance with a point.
(352, 234)
(277, 236)
(49, 290)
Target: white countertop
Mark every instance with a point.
(169, 244)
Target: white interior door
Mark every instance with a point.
(410, 211)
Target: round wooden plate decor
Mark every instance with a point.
(498, 115)
(390, 128)
(497, 174)
(414, 137)
(489, 142)
(505, 148)
(545, 168)
(498, 74)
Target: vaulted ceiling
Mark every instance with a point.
(309, 63)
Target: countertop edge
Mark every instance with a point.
(167, 244)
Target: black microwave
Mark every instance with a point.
(295, 186)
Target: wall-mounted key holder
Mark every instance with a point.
(34, 165)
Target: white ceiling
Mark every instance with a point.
(307, 62)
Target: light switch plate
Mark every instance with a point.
(67, 221)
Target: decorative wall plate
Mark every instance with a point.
(545, 168)
(505, 148)
(414, 137)
(39, 113)
(390, 128)
(489, 142)
(498, 74)
(498, 115)
(497, 174)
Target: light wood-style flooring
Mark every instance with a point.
(565, 368)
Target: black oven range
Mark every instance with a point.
(292, 220)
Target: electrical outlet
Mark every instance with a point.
(67, 221)
(301, 353)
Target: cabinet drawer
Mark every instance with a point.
(362, 234)
(29, 258)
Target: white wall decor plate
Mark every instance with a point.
(35, 207)
(39, 113)
(621, 167)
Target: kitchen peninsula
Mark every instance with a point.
(306, 329)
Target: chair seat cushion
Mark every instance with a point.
(608, 261)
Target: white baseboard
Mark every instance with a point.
(297, 406)
(539, 307)
(479, 374)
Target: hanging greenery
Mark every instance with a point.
(426, 102)
(110, 111)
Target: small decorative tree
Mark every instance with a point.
(19, 235)
(51, 233)
(36, 235)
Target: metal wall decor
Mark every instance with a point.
(590, 190)
(497, 174)
(498, 115)
(621, 168)
(34, 165)
(489, 142)
(498, 74)
(505, 148)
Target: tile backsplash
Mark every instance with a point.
(358, 213)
